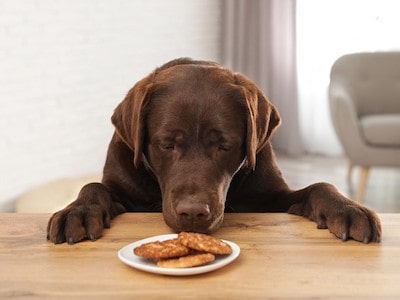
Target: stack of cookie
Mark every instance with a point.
(189, 249)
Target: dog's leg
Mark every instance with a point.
(86, 217)
(345, 218)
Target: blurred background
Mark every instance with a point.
(65, 65)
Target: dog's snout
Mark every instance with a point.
(191, 212)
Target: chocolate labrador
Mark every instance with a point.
(192, 140)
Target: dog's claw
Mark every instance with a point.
(92, 238)
(344, 236)
(366, 240)
(56, 241)
(71, 241)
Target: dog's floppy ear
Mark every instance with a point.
(128, 117)
(262, 118)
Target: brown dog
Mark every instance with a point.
(192, 141)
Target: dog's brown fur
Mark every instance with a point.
(192, 141)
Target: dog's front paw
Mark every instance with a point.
(352, 221)
(84, 218)
(322, 203)
(77, 222)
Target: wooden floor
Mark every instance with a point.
(382, 194)
(383, 186)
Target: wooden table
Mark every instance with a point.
(282, 256)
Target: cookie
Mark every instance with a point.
(205, 243)
(187, 261)
(165, 249)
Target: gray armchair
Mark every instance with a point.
(364, 96)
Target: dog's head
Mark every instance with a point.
(194, 124)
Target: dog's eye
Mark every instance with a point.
(168, 147)
(223, 147)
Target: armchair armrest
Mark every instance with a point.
(345, 121)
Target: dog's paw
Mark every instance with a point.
(352, 221)
(345, 218)
(77, 222)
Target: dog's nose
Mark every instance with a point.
(192, 211)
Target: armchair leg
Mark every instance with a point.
(362, 184)
(349, 173)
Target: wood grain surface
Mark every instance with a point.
(282, 257)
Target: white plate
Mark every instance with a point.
(127, 256)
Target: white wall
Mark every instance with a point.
(65, 65)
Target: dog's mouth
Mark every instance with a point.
(201, 224)
(196, 206)
(191, 214)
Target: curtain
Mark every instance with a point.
(259, 40)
